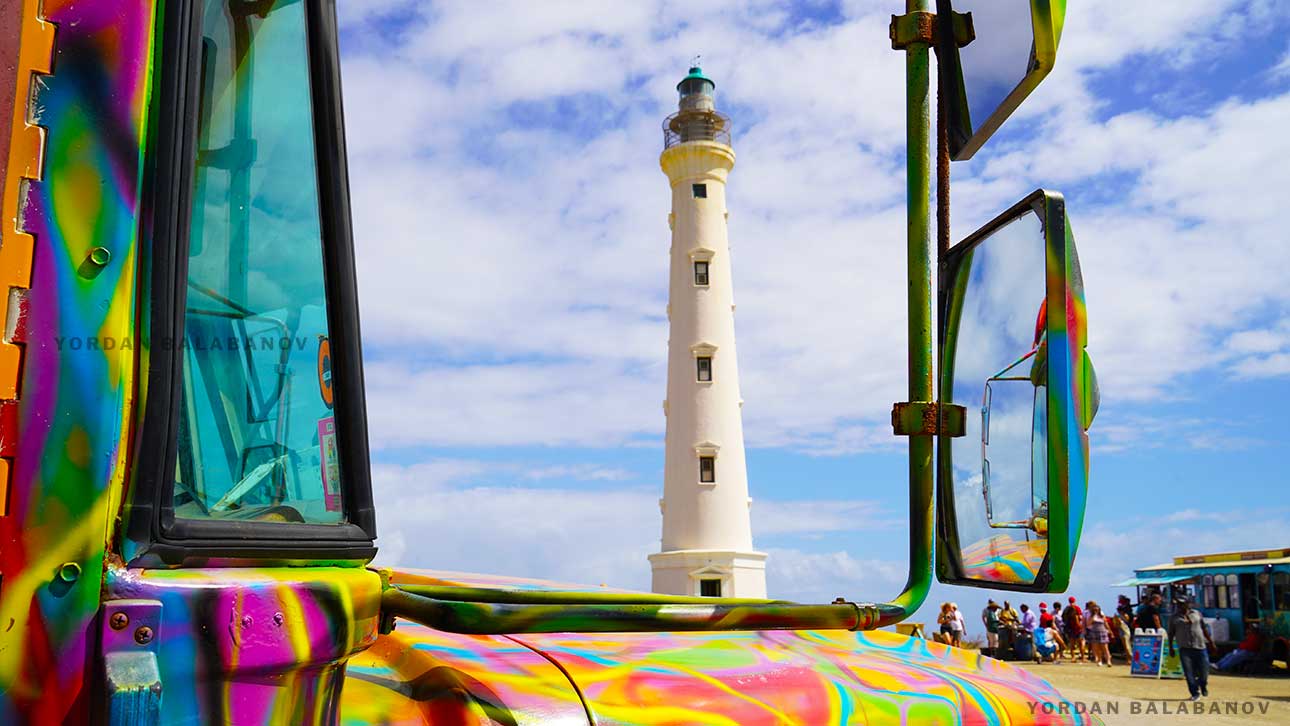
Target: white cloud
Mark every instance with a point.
(580, 472)
(804, 576)
(454, 515)
(1109, 553)
(821, 516)
(511, 219)
(1137, 431)
(510, 404)
(1260, 352)
(1282, 67)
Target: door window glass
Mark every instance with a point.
(256, 430)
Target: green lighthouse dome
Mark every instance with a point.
(696, 82)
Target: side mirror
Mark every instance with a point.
(1009, 46)
(1011, 491)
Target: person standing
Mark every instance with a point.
(1149, 613)
(1009, 622)
(1121, 625)
(1008, 616)
(1028, 620)
(990, 618)
(1124, 609)
(1073, 629)
(1027, 624)
(1187, 628)
(1098, 634)
(1045, 617)
(959, 625)
(946, 622)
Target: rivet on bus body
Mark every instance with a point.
(69, 572)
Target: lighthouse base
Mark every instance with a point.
(718, 573)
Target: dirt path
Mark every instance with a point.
(1233, 700)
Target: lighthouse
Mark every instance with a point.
(707, 536)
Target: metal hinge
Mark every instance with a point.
(131, 673)
(928, 418)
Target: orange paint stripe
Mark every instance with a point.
(25, 162)
(4, 487)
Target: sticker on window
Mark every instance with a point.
(324, 370)
(330, 463)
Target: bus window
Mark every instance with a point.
(256, 432)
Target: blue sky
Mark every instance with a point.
(510, 219)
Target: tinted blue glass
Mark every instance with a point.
(256, 432)
(1000, 467)
(999, 58)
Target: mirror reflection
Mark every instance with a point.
(1000, 57)
(1000, 475)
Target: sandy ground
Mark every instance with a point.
(1255, 700)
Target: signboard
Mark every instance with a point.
(1146, 651)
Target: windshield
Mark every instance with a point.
(256, 430)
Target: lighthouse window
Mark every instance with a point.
(705, 368)
(701, 273)
(708, 469)
(700, 191)
(710, 588)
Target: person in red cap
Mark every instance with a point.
(1045, 617)
(1073, 629)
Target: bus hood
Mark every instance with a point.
(731, 678)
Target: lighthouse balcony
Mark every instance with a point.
(686, 126)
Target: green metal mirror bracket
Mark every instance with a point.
(570, 597)
(491, 618)
(919, 307)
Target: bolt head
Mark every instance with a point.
(143, 635)
(118, 621)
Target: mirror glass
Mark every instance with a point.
(999, 468)
(1013, 47)
(1000, 57)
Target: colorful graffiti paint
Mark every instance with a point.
(255, 645)
(66, 432)
(744, 679)
(416, 675)
(1003, 559)
(1073, 390)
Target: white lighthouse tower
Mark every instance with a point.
(707, 538)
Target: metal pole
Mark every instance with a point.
(569, 597)
(918, 193)
(482, 618)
